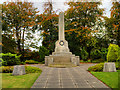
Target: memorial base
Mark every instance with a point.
(62, 59)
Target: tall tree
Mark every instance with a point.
(17, 16)
(113, 23)
(80, 18)
(0, 28)
(49, 26)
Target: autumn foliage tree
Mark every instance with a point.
(113, 24)
(80, 18)
(17, 17)
(49, 26)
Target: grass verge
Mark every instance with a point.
(109, 78)
(22, 81)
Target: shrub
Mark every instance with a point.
(10, 59)
(118, 59)
(31, 62)
(31, 55)
(2, 62)
(96, 68)
(112, 54)
(43, 52)
(84, 54)
(23, 63)
(98, 60)
(117, 64)
(99, 67)
(95, 54)
(6, 69)
(28, 69)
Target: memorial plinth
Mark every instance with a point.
(62, 54)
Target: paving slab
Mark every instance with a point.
(75, 77)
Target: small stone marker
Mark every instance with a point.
(109, 67)
(19, 70)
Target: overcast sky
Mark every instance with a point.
(59, 4)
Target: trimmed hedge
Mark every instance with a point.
(96, 68)
(9, 59)
(31, 62)
(28, 69)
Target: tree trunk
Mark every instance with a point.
(18, 40)
(22, 58)
(19, 47)
(23, 39)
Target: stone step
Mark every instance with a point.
(62, 53)
(62, 65)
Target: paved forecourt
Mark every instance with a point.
(75, 77)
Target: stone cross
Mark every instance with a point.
(61, 26)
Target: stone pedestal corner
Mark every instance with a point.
(109, 67)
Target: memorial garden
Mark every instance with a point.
(75, 48)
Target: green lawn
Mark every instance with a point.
(22, 81)
(109, 78)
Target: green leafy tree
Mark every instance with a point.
(17, 17)
(113, 24)
(43, 52)
(113, 53)
(80, 18)
(49, 27)
(95, 54)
